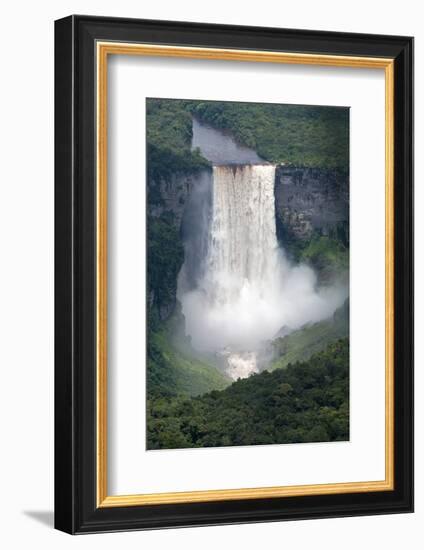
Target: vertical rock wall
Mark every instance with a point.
(311, 201)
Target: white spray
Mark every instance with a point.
(248, 289)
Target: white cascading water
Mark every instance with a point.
(243, 246)
(248, 290)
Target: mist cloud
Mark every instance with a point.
(246, 289)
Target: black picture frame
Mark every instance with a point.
(76, 508)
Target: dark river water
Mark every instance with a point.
(220, 148)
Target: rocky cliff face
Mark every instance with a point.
(169, 196)
(308, 202)
(311, 201)
(175, 213)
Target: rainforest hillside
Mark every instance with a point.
(173, 370)
(301, 344)
(304, 402)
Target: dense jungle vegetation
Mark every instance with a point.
(172, 371)
(169, 133)
(293, 134)
(328, 255)
(304, 402)
(301, 344)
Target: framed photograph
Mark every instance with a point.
(234, 271)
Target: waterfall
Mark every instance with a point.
(247, 290)
(243, 243)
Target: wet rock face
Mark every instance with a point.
(311, 200)
(171, 195)
(179, 201)
(307, 201)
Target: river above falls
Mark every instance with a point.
(219, 147)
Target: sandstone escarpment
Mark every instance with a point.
(311, 201)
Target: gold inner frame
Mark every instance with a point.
(103, 50)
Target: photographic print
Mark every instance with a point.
(247, 273)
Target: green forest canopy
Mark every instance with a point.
(304, 402)
(169, 133)
(299, 135)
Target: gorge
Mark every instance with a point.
(237, 288)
